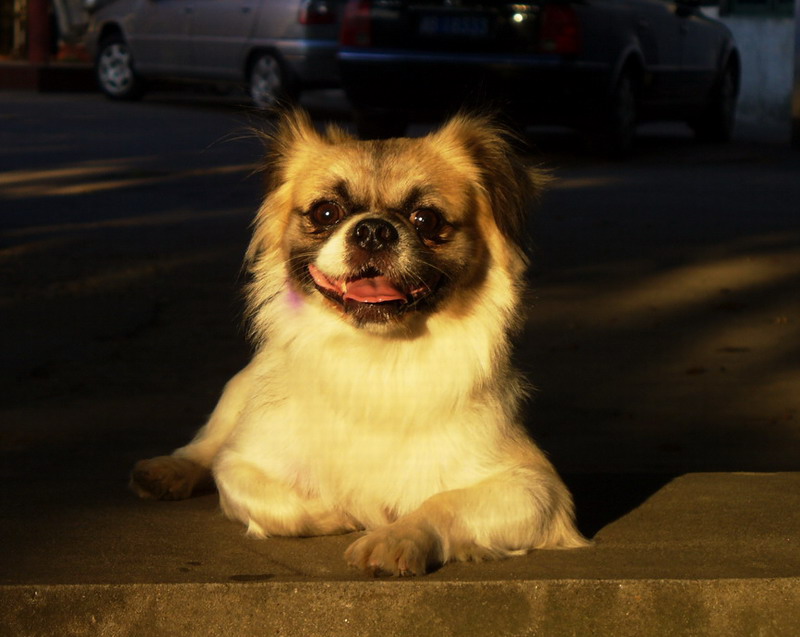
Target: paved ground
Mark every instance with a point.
(663, 336)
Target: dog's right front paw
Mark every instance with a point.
(165, 478)
(393, 550)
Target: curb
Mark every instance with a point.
(58, 77)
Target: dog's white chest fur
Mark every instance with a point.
(371, 425)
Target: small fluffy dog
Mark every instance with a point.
(386, 280)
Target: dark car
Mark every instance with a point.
(599, 65)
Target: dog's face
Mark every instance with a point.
(383, 230)
(383, 233)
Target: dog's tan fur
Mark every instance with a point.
(408, 427)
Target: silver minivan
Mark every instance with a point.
(275, 48)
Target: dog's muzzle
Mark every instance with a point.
(373, 291)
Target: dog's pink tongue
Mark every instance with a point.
(373, 290)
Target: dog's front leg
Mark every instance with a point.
(188, 469)
(508, 514)
(270, 506)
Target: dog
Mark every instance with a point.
(386, 279)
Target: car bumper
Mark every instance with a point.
(312, 62)
(536, 87)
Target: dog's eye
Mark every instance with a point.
(326, 214)
(427, 222)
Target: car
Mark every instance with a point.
(598, 65)
(275, 48)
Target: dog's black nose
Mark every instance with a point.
(374, 234)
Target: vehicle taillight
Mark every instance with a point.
(317, 12)
(559, 30)
(356, 24)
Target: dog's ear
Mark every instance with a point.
(511, 185)
(289, 141)
(292, 132)
(292, 129)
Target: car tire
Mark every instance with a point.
(618, 130)
(269, 82)
(379, 124)
(718, 119)
(116, 71)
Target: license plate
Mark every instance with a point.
(462, 26)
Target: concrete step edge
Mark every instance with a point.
(752, 606)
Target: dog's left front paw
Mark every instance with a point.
(166, 478)
(394, 550)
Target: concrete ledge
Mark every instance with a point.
(47, 78)
(706, 554)
(549, 607)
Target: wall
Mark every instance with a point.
(796, 100)
(767, 49)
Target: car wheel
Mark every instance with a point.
(619, 127)
(719, 117)
(116, 73)
(269, 83)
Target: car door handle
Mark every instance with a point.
(247, 9)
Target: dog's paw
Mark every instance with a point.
(166, 478)
(394, 550)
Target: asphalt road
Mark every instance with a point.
(664, 326)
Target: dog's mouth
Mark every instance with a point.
(370, 294)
